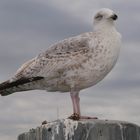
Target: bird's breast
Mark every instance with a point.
(100, 63)
(91, 69)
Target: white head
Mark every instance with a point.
(104, 18)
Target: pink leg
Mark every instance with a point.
(76, 107)
(75, 102)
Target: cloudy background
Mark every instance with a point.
(28, 27)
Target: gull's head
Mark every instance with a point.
(104, 17)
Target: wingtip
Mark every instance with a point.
(1, 93)
(4, 93)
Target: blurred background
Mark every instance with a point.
(28, 27)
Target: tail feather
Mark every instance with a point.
(22, 84)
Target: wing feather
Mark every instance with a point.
(67, 53)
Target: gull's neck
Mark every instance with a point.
(104, 27)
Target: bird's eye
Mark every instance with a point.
(98, 16)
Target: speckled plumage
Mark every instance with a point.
(74, 63)
(78, 62)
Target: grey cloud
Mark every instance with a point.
(41, 19)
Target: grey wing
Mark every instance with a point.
(65, 54)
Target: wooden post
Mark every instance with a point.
(67, 129)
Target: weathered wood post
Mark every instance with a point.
(83, 130)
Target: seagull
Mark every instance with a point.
(72, 64)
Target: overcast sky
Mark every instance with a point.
(28, 27)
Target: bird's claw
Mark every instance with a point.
(44, 122)
(74, 116)
(86, 117)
